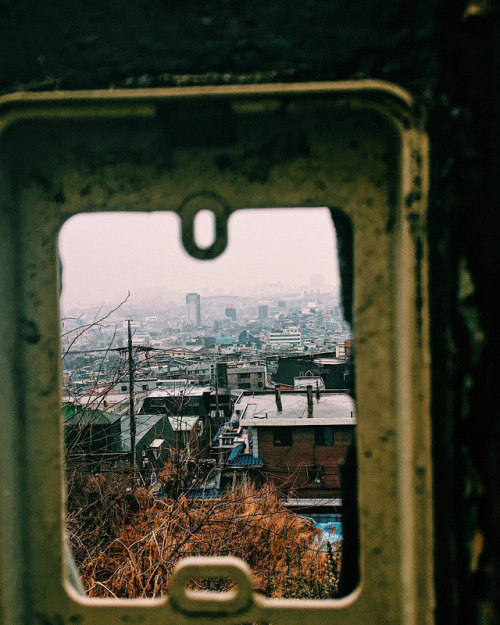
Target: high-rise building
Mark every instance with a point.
(290, 336)
(231, 312)
(263, 311)
(193, 308)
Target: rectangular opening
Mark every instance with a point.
(324, 435)
(213, 395)
(282, 437)
(359, 146)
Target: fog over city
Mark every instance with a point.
(104, 256)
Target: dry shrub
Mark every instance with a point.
(127, 543)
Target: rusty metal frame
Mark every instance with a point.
(63, 153)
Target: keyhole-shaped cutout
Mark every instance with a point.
(204, 228)
(204, 224)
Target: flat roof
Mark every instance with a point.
(186, 391)
(330, 361)
(329, 409)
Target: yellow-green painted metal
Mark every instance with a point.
(356, 146)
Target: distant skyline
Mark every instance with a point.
(105, 255)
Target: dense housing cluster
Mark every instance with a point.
(198, 411)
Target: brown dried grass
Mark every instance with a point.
(127, 543)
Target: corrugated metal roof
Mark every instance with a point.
(89, 416)
(143, 424)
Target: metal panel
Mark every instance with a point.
(353, 146)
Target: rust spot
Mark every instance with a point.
(412, 197)
(31, 332)
(419, 300)
(417, 157)
(386, 437)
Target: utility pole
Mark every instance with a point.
(217, 400)
(131, 399)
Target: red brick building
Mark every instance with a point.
(301, 437)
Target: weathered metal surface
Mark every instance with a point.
(356, 147)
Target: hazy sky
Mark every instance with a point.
(106, 255)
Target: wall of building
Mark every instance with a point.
(286, 465)
(247, 377)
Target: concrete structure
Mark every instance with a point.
(193, 308)
(230, 312)
(429, 548)
(226, 344)
(302, 439)
(285, 338)
(247, 377)
(303, 381)
(335, 373)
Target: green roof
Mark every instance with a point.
(76, 415)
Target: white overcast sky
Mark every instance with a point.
(105, 255)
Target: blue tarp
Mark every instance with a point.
(330, 526)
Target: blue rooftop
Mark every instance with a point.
(202, 493)
(238, 459)
(210, 492)
(215, 440)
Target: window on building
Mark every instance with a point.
(123, 388)
(243, 376)
(144, 387)
(245, 385)
(282, 437)
(323, 436)
(316, 475)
